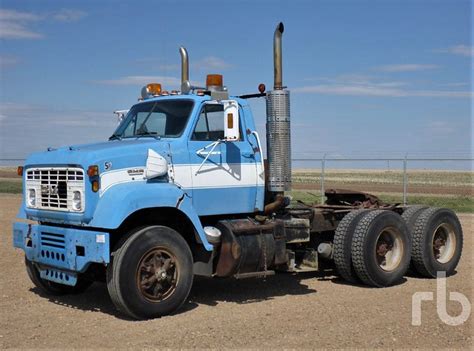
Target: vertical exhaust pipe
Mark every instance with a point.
(277, 60)
(278, 125)
(184, 64)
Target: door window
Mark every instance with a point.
(210, 125)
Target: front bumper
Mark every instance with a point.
(61, 253)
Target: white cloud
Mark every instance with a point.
(140, 80)
(351, 85)
(206, 64)
(14, 30)
(19, 114)
(40, 126)
(462, 50)
(69, 15)
(13, 15)
(17, 24)
(454, 84)
(6, 61)
(211, 62)
(408, 67)
(441, 128)
(354, 90)
(168, 82)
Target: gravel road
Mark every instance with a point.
(285, 311)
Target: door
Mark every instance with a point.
(224, 173)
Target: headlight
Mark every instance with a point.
(31, 198)
(76, 201)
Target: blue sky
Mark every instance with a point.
(371, 78)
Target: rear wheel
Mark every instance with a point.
(381, 248)
(151, 273)
(437, 242)
(343, 243)
(410, 215)
(53, 288)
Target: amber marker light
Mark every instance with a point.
(153, 88)
(261, 88)
(19, 171)
(95, 186)
(215, 80)
(93, 171)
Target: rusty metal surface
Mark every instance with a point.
(229, 252)
(247, 226)
(247, 246)
(297, 230)
(324, 221)
(275, 205)
(351, 198)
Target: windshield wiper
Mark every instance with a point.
(148, 116)
(115, 137)
(151, 134)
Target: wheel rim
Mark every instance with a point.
(157, 274)
(389, 249)
(444, 243)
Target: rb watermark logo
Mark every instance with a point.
(441, 300)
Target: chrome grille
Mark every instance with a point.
(54, 186)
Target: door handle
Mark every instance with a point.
(248, 154)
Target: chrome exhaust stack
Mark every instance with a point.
(278, 124)
(184, 65)
(277, 59)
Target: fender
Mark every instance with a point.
(122, 200)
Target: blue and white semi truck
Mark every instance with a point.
(181, 188)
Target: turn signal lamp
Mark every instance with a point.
(214, 80)
(95, 186)
(153, 89)
(19, 171)
(261, 88)
(230, 121)
(93, 171)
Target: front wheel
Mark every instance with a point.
(151, 273)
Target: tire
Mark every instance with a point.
(433, 227)
(410, 216)
(151, 274)
(53, 288)
(343, 243)
(381, 248)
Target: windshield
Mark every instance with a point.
(166, 118)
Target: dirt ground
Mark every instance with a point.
(285, 311)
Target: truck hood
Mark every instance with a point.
(117, 153)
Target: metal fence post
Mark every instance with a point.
(323, 166)
(405, 179)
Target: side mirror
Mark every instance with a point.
(156, 165)
(231, 120)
